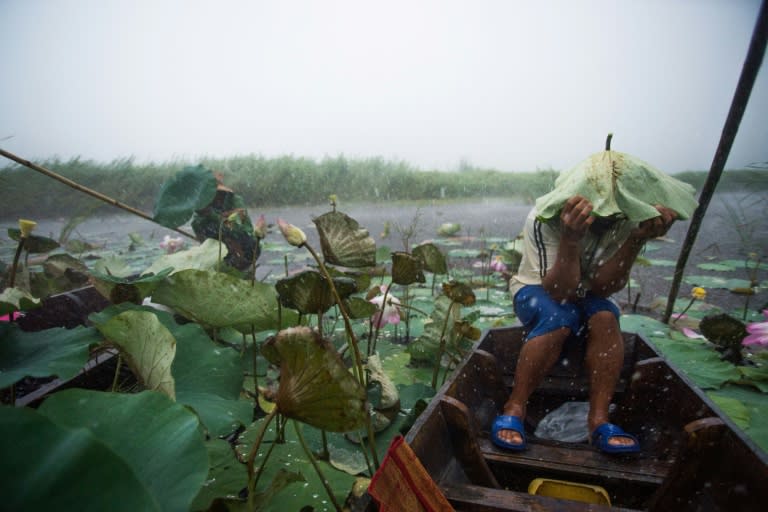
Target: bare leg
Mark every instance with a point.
(537, 358)
(604, 358)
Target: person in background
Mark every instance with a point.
(580, 242)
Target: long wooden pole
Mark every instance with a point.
(98, 195)
(738, 106)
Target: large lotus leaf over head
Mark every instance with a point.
(344, 242)
(619, 184)
(315, 386)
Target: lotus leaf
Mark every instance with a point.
(425, 348)
(34, 244)
(315, 386)
(191, 189)
(202, 257)
(406, 269)
(309, 293)
(619, 184)
(58, 351)
(164, 432)
(448, 229)
(125, 289)
(16, 299)
(219, 300)
(147, 346)
(459, 292)
(47, 466)
(432, 258)
(344, 242)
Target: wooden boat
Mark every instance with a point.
(692, 458)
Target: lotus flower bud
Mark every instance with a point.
(291, 233)
(260, 228)
(26, 227)
(699, 293)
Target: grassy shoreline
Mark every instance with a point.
(288, 181)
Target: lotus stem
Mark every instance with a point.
(314, 465)
(441, 349)
(254, 450)
(117, 371)
(352, 341)
(15, 265)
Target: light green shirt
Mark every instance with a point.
(541, 240)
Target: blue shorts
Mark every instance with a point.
(540, 314)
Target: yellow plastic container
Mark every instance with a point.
(565, 490)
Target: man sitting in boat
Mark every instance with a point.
(580, 242)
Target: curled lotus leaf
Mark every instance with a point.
(406, 269)
(723, 330)
(459, 292)
(344, 242)
(315, 386)
(309, 293)
(432, 258)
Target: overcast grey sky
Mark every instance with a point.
(509, 85)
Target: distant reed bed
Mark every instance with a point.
(285, 181)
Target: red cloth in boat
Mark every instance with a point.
(402, 484)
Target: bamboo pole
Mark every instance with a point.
(738, 105)
(98, 195)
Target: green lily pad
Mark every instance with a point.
(717, 267)
(147, 346)
(191, 189)
(166, 454)
(219, 300)
(315, 385)
(716, 282)
(46, 467)
(16, 299)
(58, 351)
(344, 242)
(432, 258)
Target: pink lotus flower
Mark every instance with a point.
(498, 265)
(10, 317)
(389, 313)
(171, 245)
(758, 332)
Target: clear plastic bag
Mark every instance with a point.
(567, 423)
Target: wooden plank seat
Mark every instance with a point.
(474, 498)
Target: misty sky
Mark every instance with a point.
(509, 85)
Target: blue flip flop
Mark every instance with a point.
(604, 432)
(505, 422)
